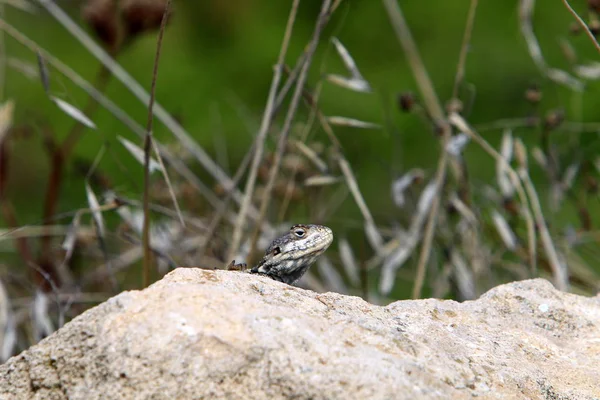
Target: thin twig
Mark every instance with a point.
(148, 150)
(583, 25)
(261, 137)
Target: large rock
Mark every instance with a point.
(229, 335)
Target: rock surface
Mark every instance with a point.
(228, 335)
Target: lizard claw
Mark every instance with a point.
(233, 266)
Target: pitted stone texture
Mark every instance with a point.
(201, 334)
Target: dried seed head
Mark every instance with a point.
(406, 101)
(454, 106)
(419, 176)
(263, 172)
(553, 119)
(511, 206)
(115, 21)
(219, 190)
(520, 153)
(102, 17)
(451, 209)
(441, 127)
(575, 29)
(533, 94)
(141, 16)
(295, 162)
(594, 26)
(591, 184)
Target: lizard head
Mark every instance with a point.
(289, 256)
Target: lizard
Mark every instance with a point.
(289, 256)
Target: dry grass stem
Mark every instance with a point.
(405, 38)
(560, 276)
(240, 224)
(464, 48)
(117, 112)
(583, 25)
(303, 136)
(148, 149)
(399, 249)
(430, 227)
(557, 75)
(371, 230)
(373, 235)
(559, 270)
(134, 87)
(283, 135)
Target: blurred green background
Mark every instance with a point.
(216, 68)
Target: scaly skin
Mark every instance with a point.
(289, 256)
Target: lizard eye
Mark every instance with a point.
(300, 232)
